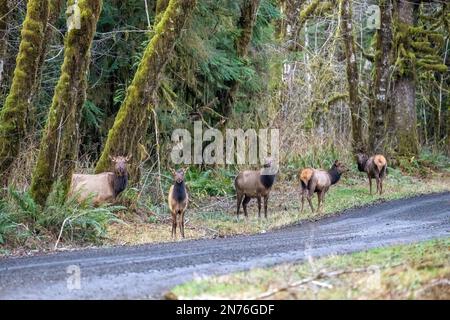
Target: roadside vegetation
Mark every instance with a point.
(415, 271)
(141, 214)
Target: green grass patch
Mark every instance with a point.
(415, 271)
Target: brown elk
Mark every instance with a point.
(255, 184)
(178, 201)
(319, 181)
(104, 187)
(375, 167)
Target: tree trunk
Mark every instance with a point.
(4, 10)
(58, 148)
(246, 23)
(404, 88)
(378, 118)
(13, 114)
(161, 6)
(132, 119)
(352, 76)
(54, 12)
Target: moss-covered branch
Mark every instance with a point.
(58, 147)
(14, 112)
(132, 119)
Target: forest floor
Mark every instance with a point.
(216, 216)
(415, 271)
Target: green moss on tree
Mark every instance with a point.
(58, 147)
(132, 119)
(352, 76)
(14, 112)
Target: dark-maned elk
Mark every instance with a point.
(255, 184)
(319, 181)
(104, 187)
(178, 201)
(375, 167)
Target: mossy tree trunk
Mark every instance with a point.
(352, 76)
(132, 120)
(58, 147)
(161, 6)
(378, 115)
(54, 12)
(246, 24)
(404, 87)
(13, 114)
(4, 10)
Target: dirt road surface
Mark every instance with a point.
(147, 271)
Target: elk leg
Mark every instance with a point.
(378, 184)
(244, 205)
(322, 199)
(381, 186)
(319, 201)
(182, 224)
(174, 226)
(302, 193)
(266, 200)
(310, 194)
(370, 184)
(239, 201)
(259, 207)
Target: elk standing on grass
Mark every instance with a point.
(178, 201)
(375, 167)
(255, 184)
(319, 181)
(104, 187)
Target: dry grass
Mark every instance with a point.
(216, 216)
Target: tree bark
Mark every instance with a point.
(13, 114)
(132, 119)
(404, 88)
(378, 118)
(246, 23)
(54, 12)
(352, 76)
(4, 10)
(58, 147)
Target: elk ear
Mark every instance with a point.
(128, 157)
(172, 171)
(113, 159)
(185, 169)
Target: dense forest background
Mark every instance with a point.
(336, 77)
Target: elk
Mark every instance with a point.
(375, 167)
(255, 184)
(105, 187)
(319, 181)
(178, 201)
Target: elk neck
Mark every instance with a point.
(179, 191)
(120, 183)
(267, 180)
(334, 175)
(362, 164)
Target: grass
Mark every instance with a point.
(215, 216)
(417, 271)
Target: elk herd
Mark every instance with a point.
(249, 184)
